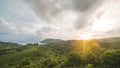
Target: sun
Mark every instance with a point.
(85, 37)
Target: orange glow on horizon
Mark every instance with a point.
(83, 46)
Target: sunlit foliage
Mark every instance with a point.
(65, 54)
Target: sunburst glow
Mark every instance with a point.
(85, 37)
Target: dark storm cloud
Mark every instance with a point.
(88, 7)
(81, 22)
(84, 5)
(43, 8)
(47, 9)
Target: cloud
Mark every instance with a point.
(50, 10)
(5, 27)
(43, 8)
(84, 5)
(47, 31)
(18, 22)
(35, 20)
(10, 32)
(89, 8)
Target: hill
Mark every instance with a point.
(113, 42)
(51, 41)
(8, 45)
(100, 53)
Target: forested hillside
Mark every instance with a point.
(62, 54)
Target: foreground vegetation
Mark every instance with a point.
(61, 54)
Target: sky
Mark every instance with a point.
(30, 21)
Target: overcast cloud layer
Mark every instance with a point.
(29, 21)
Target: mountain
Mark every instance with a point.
(8, 45)
(111, 39)
(51, 41)
(112, 42)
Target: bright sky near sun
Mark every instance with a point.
(25, 21)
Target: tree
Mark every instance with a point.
(74, 59)
(111, 58)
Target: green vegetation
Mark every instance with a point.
(61, 54)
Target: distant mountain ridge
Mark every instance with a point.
(111, 39)
(104, 42)
(8, 45)
(51, 41)
(112, 42)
